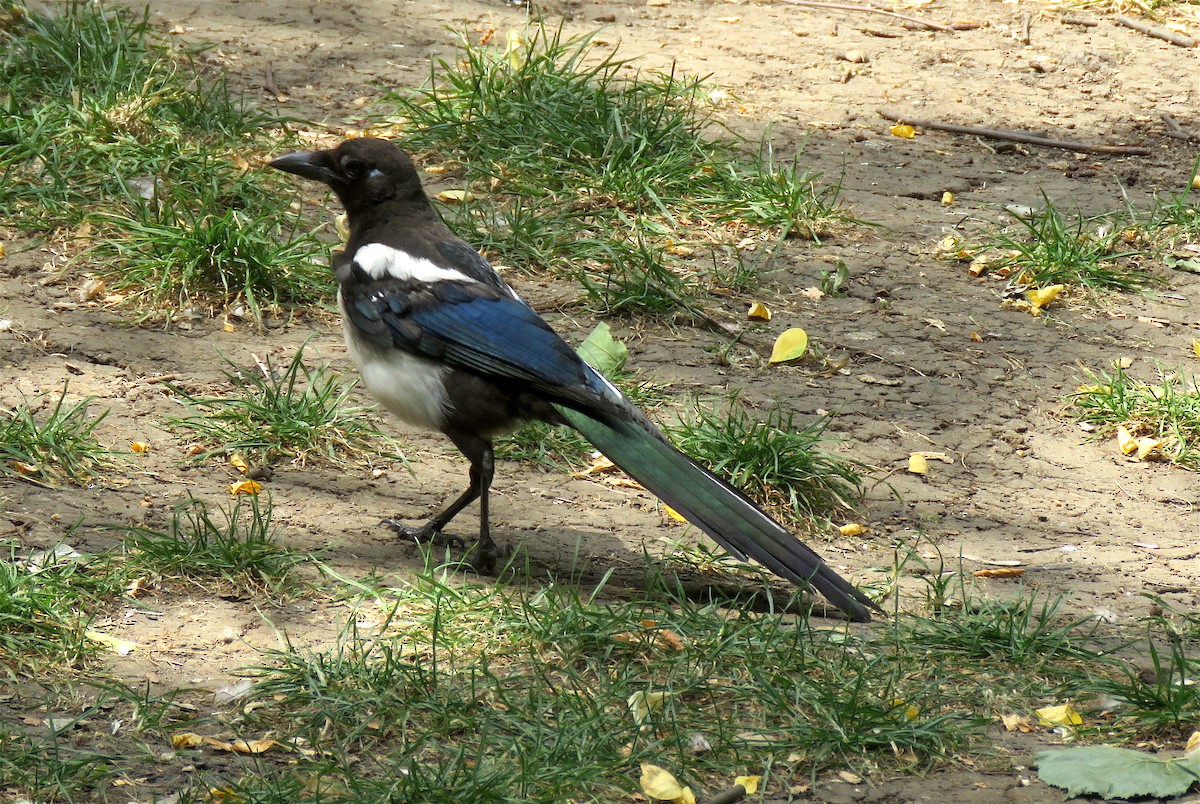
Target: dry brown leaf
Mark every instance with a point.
(599, 465)
(1005, 572)
(1019, 723)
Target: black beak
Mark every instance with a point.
(314, 165)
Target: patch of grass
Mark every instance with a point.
(1023, 631)
(47, 605)
(1168, 412)
(302, 413)
(1162, 698)
(1177, 218)
(589, 169)
(237, 550)
(146, 709)
(211, 243)
(496, 693)
(132, 146)
(92, 99)
(50, 769)
(1048, 248)
(59, 445)
(777, 463)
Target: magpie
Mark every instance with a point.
(443, 343)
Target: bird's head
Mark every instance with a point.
(364, 172)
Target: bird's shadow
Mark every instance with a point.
(603, 567)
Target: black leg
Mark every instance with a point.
(479, 451)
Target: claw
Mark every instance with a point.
(425, 535)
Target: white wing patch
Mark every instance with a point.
(380, 261)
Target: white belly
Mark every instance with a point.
(409, 386)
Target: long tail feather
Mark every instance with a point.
(716, 507)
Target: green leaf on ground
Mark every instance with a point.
(602, 351)
(1112, 772)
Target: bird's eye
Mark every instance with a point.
(354, 168)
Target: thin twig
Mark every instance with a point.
(870, 10)
(1026, 24)
(269, 82)
(728, 796)
(1177, 131)
(1016, 136)
(1183, 40)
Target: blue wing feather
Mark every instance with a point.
(502, 338)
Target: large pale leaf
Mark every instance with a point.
(1112, 772)
(602, 351)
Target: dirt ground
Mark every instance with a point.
(1022, 483)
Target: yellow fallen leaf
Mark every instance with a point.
(1061, 715)
(455, 196)
(1193, 742)
(1125, 441)
(245, 487)
(1196, 182)
(342, 224)
(852, 529)
(1040, 297)
(759, 312)
(139, 446)
(903, 130)
(239, 462)
(643, 703)
(947, 199)
(228, 327)
(2, 251)
(660, 783)
(1145, 446)
(253, 746)
(790, 345)
(918, 464)
(910, 711)
(1196, 347)
(121, 647)
(748, 783)
(674, 515)
(186, 739)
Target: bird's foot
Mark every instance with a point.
(425, 535)
(480, 555)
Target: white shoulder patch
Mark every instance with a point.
(380, 261)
